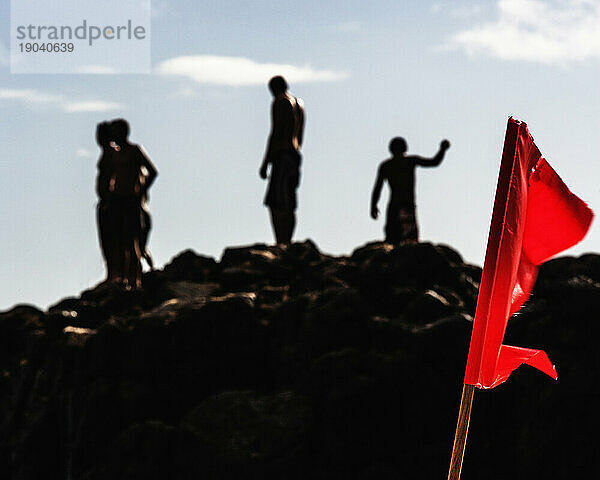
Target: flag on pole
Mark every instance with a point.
(535, 216)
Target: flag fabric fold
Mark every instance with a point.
(535, 216)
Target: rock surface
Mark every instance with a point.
(289, 363)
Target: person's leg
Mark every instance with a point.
(408, 225)
(146, 226)
(128, 235)
(415, 225)
(277, 222)
(135, 231)
(135, 265)
(392, 234)
(284, 223)
(101, 221)
(281, 196)
(114, 245)
(289, 225)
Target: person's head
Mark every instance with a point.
(103, 134)
(120, 130)
(398, 146)
(278, 85)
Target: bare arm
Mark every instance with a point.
(102, 180)
(267, 156)
(280, 118)
(151, 172)
(376, 193)
(436, 160)
(265, 163)
(301, 121)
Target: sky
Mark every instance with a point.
(367, 71)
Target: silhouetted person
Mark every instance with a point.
(283, 154)
(399, 171)
(103, 213)
(124, 177)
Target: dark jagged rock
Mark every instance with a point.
(18, 327)
(188, 265)
(285, 362)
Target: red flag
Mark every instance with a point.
(535, 216)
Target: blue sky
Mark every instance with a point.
(367, 71)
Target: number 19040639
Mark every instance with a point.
(46, 47)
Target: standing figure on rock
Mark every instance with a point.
(399, 171)
(283, 154)
(125, 174)
(104, 213)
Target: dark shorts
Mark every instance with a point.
(401, 224)
(285, 177)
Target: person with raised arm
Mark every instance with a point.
(399, 172)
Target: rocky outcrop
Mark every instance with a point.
(290, 363)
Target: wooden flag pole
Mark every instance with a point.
(462, 428)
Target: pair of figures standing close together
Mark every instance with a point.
(125, 174)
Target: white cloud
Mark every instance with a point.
(84, 153)
(239, 71)
(33, 98)
(550, 32)
(29, 96)
(91, 106)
